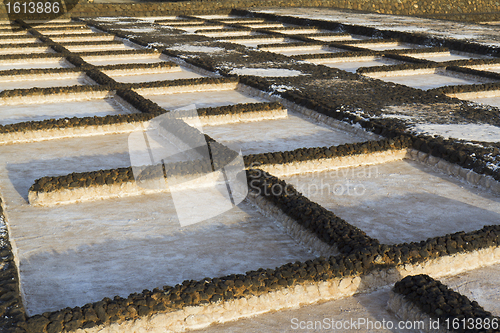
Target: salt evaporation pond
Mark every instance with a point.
(26, 50)
(291, 51)
(446, 56)
(103, 47)
(74, 254)
(35, 63)
(338, 313)
(89, 107)
(387, 46)
(255, 42)
(127, 59)
(351, 64)
(44, 81)
(136, 76)
(335, 38)
(84, 37)
(202, 99)
(295, 131)
(493, 101)
(428, 80)
(401, 201)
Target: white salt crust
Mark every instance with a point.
(336, 124)
(78, 96)
(404, 72)
(407, 311)
(455, 170)
(186, 89)
(197, 317)
(476, 94)
(325, 164)
(45, 76)
(423, 71)
(143, 71)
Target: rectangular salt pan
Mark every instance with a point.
(291, 51)
(255, 42)
(34, 63)
(74, 254)
(429, 81)
(64, 32)
(446, 56)
(489, 68)
(202, 99)
(103, 47)
(19, 40)
(296, 131)
(372, 307)
(337, 38)
(493, 101)
(136, 77)
(25, 50)
(84, 37)
(387, 46)
(301, 31)
(351, 65)
(402, 201)
(125, 59)
(45, 81)
(10, 114)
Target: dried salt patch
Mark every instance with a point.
(476, 132)
(194, 48)
(398, 116)
(106, 19)
(138, 30)
(281, 87)
(274, 72)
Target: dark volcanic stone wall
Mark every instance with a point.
(440, 302)
(476, 11)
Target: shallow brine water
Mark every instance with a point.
(402, 201)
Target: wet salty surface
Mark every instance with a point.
(49, 63)
(428, 81)
(352, 66)
(279, 135)
(10, 114)
(202, 99)
(401, 201)
(493, 101)
(331, 315)
(84, 252)
(132, 59)
(136, 76)
(45, 81)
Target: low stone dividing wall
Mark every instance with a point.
(441, 309)
(326, 156)
(478, 11)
